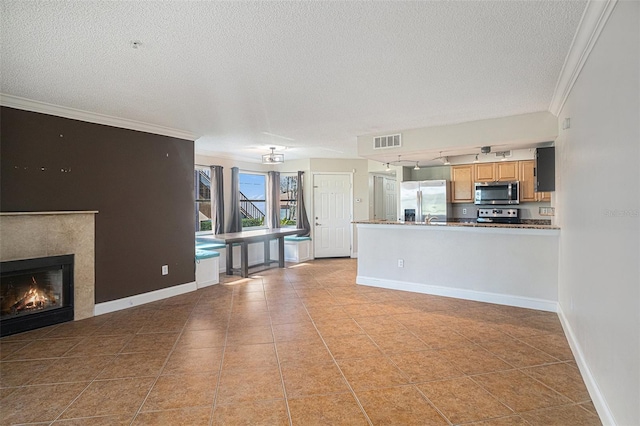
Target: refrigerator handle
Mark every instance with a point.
(419, 207)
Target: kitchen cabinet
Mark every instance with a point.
(543, 196)
(462, 183)
(527, 183)
(506, 171)
(545, 169)
(485, 172)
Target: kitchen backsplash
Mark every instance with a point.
(527, 210)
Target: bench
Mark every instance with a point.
(207, 267)
(297, 249)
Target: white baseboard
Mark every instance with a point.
(141, 299)
(599, 401)
(460, 293)
(208, 283)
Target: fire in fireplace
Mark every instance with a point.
(35, 293)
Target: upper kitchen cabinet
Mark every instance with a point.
(462, 183)
(506, 171)
(485, 172)
(545, 171)
(527, 183)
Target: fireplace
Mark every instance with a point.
(35, 293)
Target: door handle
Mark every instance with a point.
(317, 224)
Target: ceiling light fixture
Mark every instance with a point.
(476, 160)
(417, 167)
(446, 161)
(388, 169)
(272, 158)
(504, 157)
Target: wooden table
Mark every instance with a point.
(244, 238)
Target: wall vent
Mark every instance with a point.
(387, 141)
(503, 154)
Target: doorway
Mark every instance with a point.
(383, 197)
(332, 214)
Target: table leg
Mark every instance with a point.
(281, 252)
(229, 259)
(244, 259)
(267, 252)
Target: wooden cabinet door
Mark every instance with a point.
(527, 181)
(485, 172)
(507, 171)
(462, 184)
(543, 196)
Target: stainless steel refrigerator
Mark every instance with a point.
(425, 201)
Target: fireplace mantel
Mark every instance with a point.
(25, 235)
(48, 213)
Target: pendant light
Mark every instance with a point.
(272, 158)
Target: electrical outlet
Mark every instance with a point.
(464, 211)
(400, 263)
(165, 269)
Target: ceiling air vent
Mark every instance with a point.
(387, 141)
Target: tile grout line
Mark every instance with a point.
(275, 347)
(402, 372)
(175, 344)
(90, 382)
(353, 393)
(224, 350)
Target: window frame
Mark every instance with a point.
(265, 176)
(196, 200)
(295, 176)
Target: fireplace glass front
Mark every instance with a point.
(35, 293)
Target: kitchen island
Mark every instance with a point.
(513, 265)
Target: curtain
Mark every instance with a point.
(301, 212)
(217, 200)
(273, 199)
(235, 223)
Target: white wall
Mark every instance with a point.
(519, 129)
(597, 162)
(432, 256)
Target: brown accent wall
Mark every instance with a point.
(141, 184)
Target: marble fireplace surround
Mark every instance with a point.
(38, 234)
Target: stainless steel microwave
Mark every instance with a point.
(497, 193)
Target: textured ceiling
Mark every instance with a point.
(316, 73)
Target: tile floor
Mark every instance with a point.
(303, 346)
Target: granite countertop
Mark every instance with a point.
(470, 224)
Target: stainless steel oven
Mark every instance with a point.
(502, 193)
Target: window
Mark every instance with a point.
(288, 194)
(202, 179)
(253, 195)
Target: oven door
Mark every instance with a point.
(502, 193)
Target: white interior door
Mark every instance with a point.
(390, 199)
(379, 205)
(332, 215)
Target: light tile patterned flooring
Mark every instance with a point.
(305, 346)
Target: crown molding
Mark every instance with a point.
(91, 117)
(593, 20)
